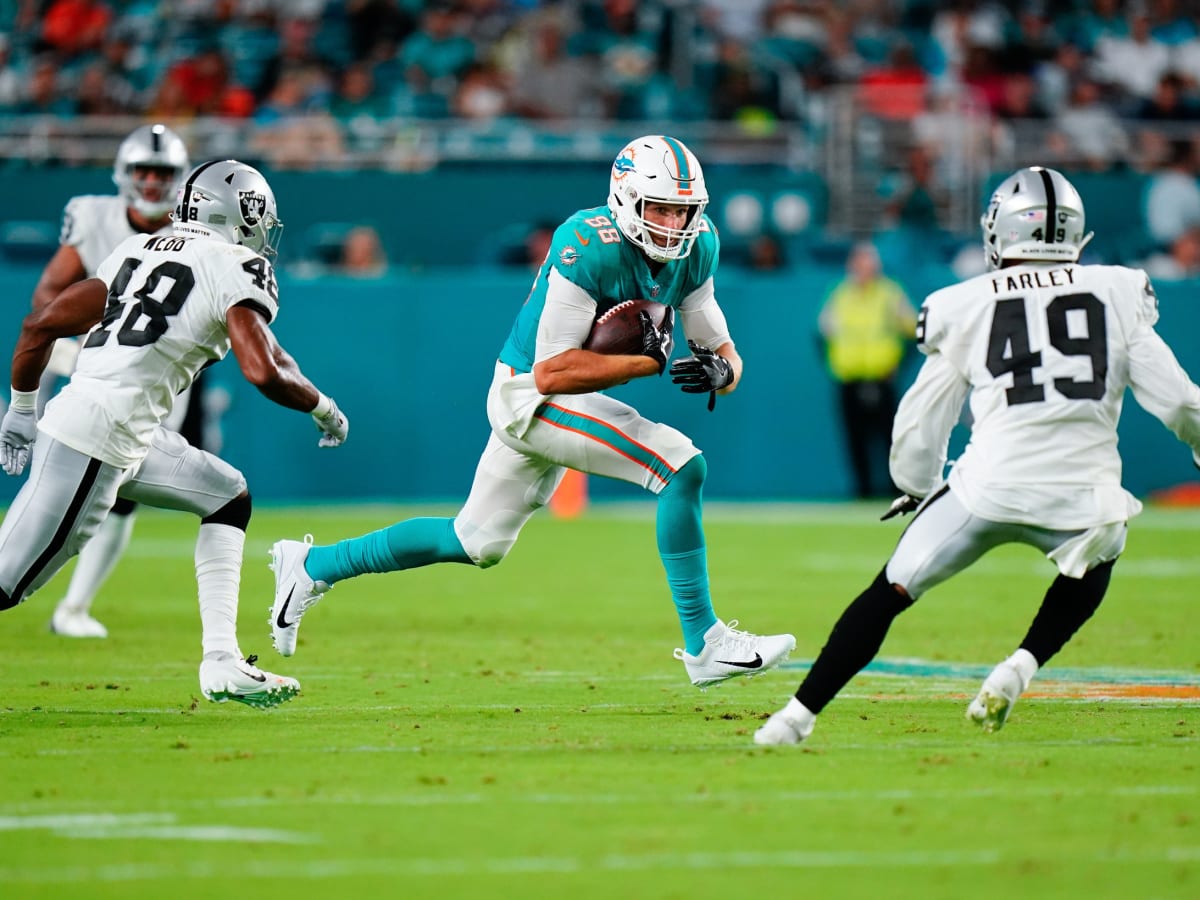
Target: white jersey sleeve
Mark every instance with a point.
(703, 319)
(566, 318)
(94, 225)
(924, 420)
(1159, 383)
(165, 320)
(1048, 351)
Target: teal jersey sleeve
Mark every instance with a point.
(589, 251)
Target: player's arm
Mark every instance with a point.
(563, 366)
(704, 324)
(1159, 383)
(271, 369)
(71, 312)
(921, 430)
(265, 364)
(1163, 388)
(64, 269)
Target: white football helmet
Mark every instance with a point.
(154, 146)
(232, 201)
(657, 168)
(1035, 214)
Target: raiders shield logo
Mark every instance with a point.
(253, 205)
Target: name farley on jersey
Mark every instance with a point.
(1024, 281)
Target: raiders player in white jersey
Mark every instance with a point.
(1045, 348)
(160, 308)
(148, 170)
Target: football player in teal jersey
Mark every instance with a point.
(548, 413)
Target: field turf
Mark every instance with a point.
(524, 732)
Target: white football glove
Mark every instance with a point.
(18, 430)
(332, 423)
(901, 506)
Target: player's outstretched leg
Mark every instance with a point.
(303, 572)
(224, 676)
(856, 638)
(295, 592)
(72, 617)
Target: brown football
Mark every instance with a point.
(618, 330)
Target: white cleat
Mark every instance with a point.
(791, 725)
(729, 653)
(990, 708)
(295, 592)
(230, 678)
(76, 623)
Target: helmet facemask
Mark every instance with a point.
(657, 169)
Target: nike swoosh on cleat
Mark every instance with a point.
(755, 663)
(262, 678)
(280, 620)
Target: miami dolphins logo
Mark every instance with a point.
(623, 164)
(568, 256)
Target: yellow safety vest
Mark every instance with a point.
(865, 325)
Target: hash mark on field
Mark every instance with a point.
(154, 826)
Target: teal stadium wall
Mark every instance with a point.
(409, 357)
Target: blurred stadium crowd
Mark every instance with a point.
(948, 93)
(1082, 63)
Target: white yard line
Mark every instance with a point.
(157, 826)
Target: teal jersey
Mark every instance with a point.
(589, 251)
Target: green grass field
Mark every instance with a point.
(524, 731)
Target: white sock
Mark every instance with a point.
(219, 550)
(96, 561)
(1025, 664)
(800, 716)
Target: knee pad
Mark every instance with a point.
(235, 513)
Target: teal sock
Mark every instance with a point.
(681, 547)
(405, 545)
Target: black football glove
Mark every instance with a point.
(704, 372)
(901, 506)
(657, 341)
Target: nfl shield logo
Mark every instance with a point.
(253, 205)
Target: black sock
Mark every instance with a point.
(1068, 604)
(853, 643)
